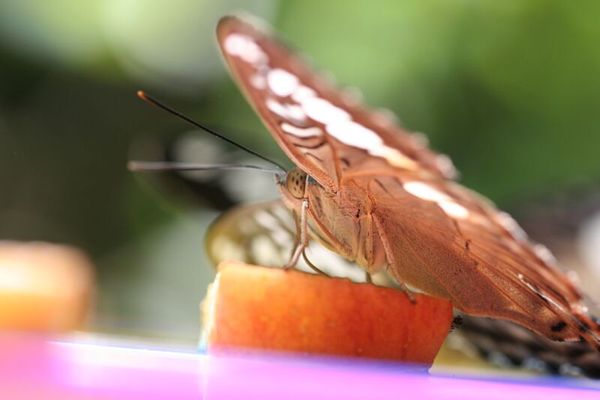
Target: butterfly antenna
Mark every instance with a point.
(176, 166)
(151, 100)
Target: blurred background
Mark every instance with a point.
(508, 89)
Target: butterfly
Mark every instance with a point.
(263, 234)
(378, 196)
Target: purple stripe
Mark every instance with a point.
(31, 368)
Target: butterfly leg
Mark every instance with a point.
(302, 235)
(311, 265)
(391, 260)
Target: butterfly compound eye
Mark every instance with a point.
(295, 182)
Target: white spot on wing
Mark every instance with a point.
(296, 113)
(303, 93)
(420, 139)
(544, 254)
(340, 125)
(429, 193)
(281, 82)
(276, 107)
(444, 164)
(338, 121)
(244, 47)
(511, 226)
(384, 117)
(354, 134)
(266, 220)
(323, 111)
(393, 156)
(258, 81)
(352, 95)
(425, 191)
(301, 132)
(291, 112)
(265, 248)
(454, 210)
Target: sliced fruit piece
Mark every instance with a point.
(43, 287)
(273, 309)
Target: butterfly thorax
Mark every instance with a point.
(341, 221)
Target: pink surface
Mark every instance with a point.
(31, 368)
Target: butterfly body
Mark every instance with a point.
(378, 196)
(342, 221)
(374, 221)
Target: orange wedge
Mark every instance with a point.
(44, 287)
(250, 307)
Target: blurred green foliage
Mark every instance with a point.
(508, 89)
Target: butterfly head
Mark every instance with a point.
(295, 183)
(298, 187)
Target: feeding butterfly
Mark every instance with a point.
(263, 234)
(376, 195)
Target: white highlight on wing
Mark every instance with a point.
(429, 193)
(301, 132)
(244, 47)
(445, 164)
(281, 82)
(340, 125)
(354, 134)
(454, 209)
(290, 112)
(544, 253)
(425, 191)
(323, 111)
(394, 157)
(338, 122)
(511, 226)
(266, 220)
(302, 93)
(266, 248)
(258, 81)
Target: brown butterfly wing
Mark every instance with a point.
(456, 244)
(322, 130)
(461, 247)
(264, 234)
